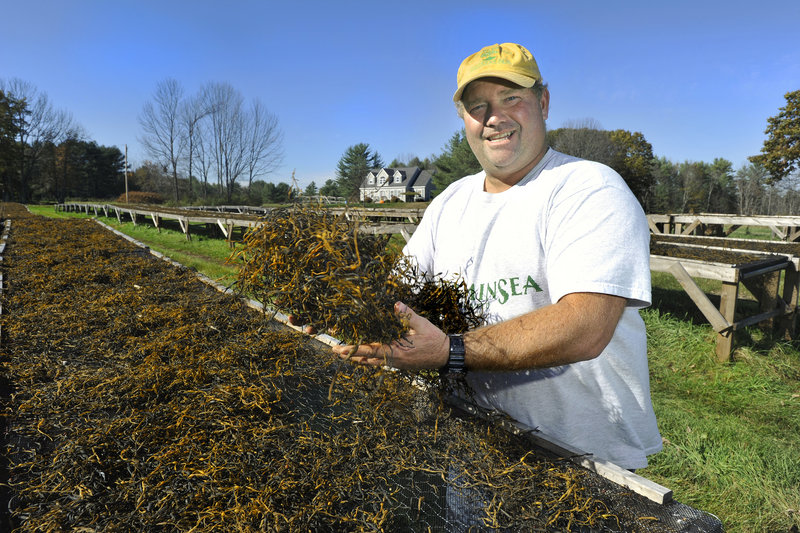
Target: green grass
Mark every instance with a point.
(731, 430)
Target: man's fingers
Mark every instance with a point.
(374, 353)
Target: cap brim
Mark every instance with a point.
(520, 79)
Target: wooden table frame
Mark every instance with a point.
(762, 279)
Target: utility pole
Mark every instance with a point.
(126, 173)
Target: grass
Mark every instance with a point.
(731, 431)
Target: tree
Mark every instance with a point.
(192, 112)
(721, 195)
(329, 188)
(633, 159)
(353, 167)
(750, 181)
(585, 139)
(628, 153)
(455, 162)
(226, 145)
(412, 161)
(666, 195)
(311, 189)
(161, 121)
(780, 155)
(264, 139)
(151, 177)
(36, 124)
(9, 133)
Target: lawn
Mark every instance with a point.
(731, 430)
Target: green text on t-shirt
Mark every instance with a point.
(503, 289)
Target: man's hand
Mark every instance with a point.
(424, 346)
(296, 322)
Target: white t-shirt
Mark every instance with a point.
(569, 226)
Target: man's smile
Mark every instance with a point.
(500, 136)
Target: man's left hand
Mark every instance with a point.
(424, 346)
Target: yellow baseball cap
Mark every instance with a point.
(509, 61)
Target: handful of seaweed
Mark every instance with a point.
(317, 266)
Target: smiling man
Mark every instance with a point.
(556, 249)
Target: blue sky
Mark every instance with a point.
(698, 78)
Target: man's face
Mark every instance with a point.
(505, 128)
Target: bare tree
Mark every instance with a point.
(750, 181)
(204, 152)
(37, 125)
(161, 121)
(242, 142)
(265, 153)
(192, 112)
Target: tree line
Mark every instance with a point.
(45, 154)
(214, 147)
(767, 184)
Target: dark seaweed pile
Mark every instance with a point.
(139, 399)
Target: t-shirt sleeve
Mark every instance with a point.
(598, 239)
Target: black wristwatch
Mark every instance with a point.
(455, 363)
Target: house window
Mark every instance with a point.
(381, 180)
(398, 178)
(371, 180)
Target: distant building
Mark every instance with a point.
(407, 184)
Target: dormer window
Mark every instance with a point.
(371, 180)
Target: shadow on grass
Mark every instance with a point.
(760, 337)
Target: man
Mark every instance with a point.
(557, 250)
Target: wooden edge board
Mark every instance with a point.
(700, 269)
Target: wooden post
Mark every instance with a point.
(727, 307)
(791, 287)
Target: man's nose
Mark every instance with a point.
(494, 115)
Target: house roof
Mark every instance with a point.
(411, 177)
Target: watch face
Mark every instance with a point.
(455, 362)
(456, 345)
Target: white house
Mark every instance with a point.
(407, 184)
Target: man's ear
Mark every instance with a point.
(544, 103)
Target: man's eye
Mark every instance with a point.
(475, 108)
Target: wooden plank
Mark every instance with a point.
(184, 223)
(691, 227)
(225, 228)
(732, 229)
(698, 269)
(717, 320)
(653, 227)
(777, 232)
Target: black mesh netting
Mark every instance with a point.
(137, 398)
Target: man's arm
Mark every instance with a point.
(576, 328)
